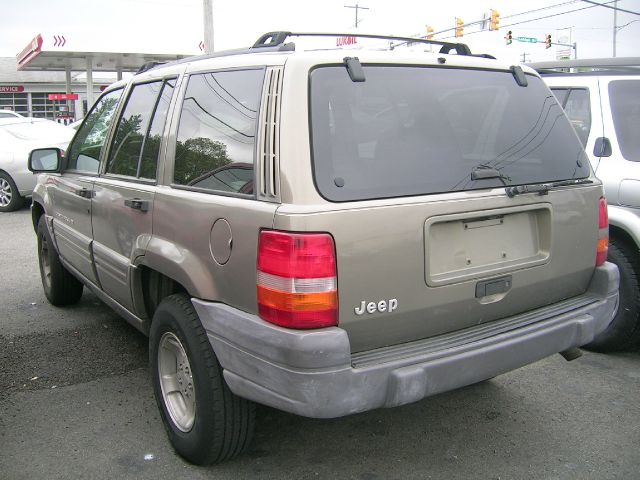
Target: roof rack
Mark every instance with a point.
(589, 66)
(275, 42)
(273, 39)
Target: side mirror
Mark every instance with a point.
(45, 160)
(602, 147)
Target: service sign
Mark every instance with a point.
(11, 88)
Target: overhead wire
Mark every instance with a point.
(535, 19)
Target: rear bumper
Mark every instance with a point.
(312, 373)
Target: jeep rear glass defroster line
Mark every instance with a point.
(416, 130)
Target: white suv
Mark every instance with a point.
(602, 100)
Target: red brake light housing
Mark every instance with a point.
(297, 281)
(603, 235)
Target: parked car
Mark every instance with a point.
(9, 114)
(76, 124)
(325, 234)
(18, 136)
(602, 100)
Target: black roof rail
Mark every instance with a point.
(223, 53)
(149, 66)
(272, 39)
(589, 66)
(275, 42)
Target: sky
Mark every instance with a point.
(176, 26)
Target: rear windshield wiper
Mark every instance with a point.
(543, 188)
(482, 172)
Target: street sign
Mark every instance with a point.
(527, 39)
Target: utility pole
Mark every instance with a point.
(524, 57)
(615, 26)
(207, 6)
(356, 7)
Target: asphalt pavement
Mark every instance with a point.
(76, 402)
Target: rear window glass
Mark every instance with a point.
(416, 130)
(625, 108)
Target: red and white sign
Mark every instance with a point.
(342, 41)
(59, 41)
(63, 96)
(11, 88)
(30, 51)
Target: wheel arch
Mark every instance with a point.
(627, 241)
(37, 210)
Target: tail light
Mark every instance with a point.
(603, 229)
(297, 284)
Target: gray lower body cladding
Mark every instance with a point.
(313, 373)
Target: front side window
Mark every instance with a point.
(84, 152)
(216, 135)
(416, 130)
(136, 144)
(624, 96)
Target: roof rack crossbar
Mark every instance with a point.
(272, 39)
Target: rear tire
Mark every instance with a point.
(10, 198)
(60, 286)
(206, 423)
(624, 330)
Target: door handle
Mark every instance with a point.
(84, 192)
(137, 204)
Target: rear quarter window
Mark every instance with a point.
(415, 130)
(217, 131)
(624, 96)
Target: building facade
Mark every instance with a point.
(28, 92)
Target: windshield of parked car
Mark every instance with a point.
(625, 109)
(415, 130)
(38, 130)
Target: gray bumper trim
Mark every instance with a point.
(310, 372)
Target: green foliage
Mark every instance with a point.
(198, 156)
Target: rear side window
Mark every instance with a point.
(624, 96)
(217, 131)
(415, 130)
(84, 152)
(136, 144)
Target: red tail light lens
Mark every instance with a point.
(297, 284)
(603, 237)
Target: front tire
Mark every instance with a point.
(624, 330)
(10, 198)
(206, 423)
(60, 286)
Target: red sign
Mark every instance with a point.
(59, 40)
(30, 51)
(341, 41)
(11, 88)
(63, 96)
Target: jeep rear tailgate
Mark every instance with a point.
(412, 165)
(417, 269)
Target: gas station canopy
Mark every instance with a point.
(34, 57)
(54, 53)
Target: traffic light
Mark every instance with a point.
(429, 32)
(495, 20)
(509, 37)
(459, 27)
(547, 41)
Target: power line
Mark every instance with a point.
(613, 8)
(503, 18)
(538, 18)
(540, 9)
